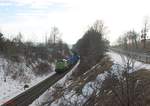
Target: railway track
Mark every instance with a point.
(27, 97)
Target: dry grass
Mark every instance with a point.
(144, 76)
(79, 82)
(107, 96)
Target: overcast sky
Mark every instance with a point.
(34, 18)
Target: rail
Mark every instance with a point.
(27, 97)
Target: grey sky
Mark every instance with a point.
(34, 18)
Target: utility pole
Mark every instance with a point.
(144, 35)
(54, 38)
(144, 32)
(46, 41)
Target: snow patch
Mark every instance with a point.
(120, 59)
(10, 88)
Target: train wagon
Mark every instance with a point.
(72, 60)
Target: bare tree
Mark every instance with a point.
(92, 46)
(123, 41)
(125, 89)
(132, 36)
(99, 27)
(53, 35)
(129, 40)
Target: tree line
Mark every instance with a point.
(42, 54)
(135, 40)
(92, 46)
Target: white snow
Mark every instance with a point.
(121, 59)
(90, 87)
(47, 95)
(12, 88)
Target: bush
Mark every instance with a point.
(42, 69)
(92, 46)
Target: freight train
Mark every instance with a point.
(62, 65)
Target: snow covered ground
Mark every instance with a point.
(12, 88)
(46, 96)
(70, 96)
(121, 59)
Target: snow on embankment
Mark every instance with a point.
(13, 77)
(121, 59)
(47, 96)
(77, 91)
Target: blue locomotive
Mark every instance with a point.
(72, 59)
